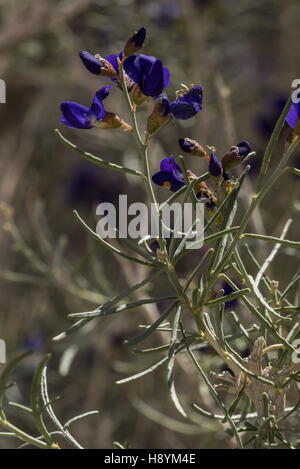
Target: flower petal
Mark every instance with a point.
(103, 92)
(184, 110)
(166, 72)
(194, 95)
(244, 148)
(169, 165)
(139, 37)
(214, 167)
(133, 69)
(91, 62)
(293, 115)
(161, 177)
(154, 82)
(113, 60)
(186, 145)
(74, 115)
(97, 111)
(146, 62)
(164, 177)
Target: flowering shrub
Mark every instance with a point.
(256, 393)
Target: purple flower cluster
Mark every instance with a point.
(146, 77)
(148, 73)
(76, 116)
(170, 174)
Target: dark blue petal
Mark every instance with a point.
(185, 145)
(133, 68)
(163, 177)
(187, 105)
(91, 62)
(293, 115)
(154, 81)
(147, 71)
(193, 96)
(139, 37)
(169, 165)
(103, 92)
(166, 72)
(184, 111)
(214, 167)
(244, 148)
(146, 62)
(97, 111)
(176, 184)
(113, 60)
(76, 116)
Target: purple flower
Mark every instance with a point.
(80, 117)
(191, 146)
(215, 167)
(184, 107)
(98, 65)
(293, 116)
(92, 63)
(235, 155)
(170, 175)
(188, 104)
(148, 73)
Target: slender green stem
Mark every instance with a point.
(96, 159)
(23, 435)
(272, 144)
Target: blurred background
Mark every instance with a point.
(245, 55)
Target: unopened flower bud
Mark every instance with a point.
(244, 149)
(215, 167)
(235, 155)
(191, 146)
(107, 68)
(135, 42)
(96, 64)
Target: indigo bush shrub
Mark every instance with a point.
(257, 394)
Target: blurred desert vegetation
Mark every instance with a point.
(245, 55)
